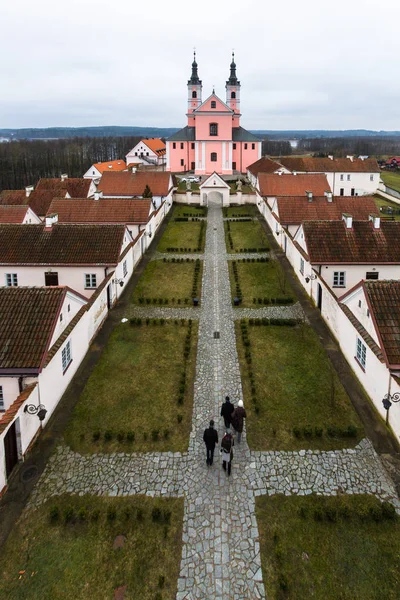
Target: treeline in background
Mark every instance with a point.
(24, 162)
(342, 146)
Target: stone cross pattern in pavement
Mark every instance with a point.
(221, 552)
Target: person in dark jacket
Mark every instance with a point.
(210, 438)
(227, 444)
(227, 409)
(238, 415)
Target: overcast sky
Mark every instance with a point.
(307, 64)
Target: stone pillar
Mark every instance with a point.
(188, 196)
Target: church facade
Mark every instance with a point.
(213, 140)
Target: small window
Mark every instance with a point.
(367, 312)
(182, 145)
(174, 145)
(147, 154)
(361, 353)
(135, 153)
(352, 191)
(348, 177)
(233, 94)
(51, 278)
(94, 172)
(245, 146)
(61, 317)
(182, 162)
(359, 304)
(11, 279)
(234, 166)
(213, 128)
(253, 146)
(194, 94)
(124, 268)
(69, 308)
(1, 399)
(66, 356)
(192, 145)
(213, 157)
(302, 266)
(339, 279)
(234, 146)
(213, 104)
(372, 275)
(371, 177)
(90, 280)
(341, 177)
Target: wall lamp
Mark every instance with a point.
(40, 411)
(120, 281)
(312, 277)
(388, 400)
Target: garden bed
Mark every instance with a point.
(186, 210)
(294, 398)
(245, 236)
(140, 394)
(337, 547)
(259, 282)
(66, 549)
(183, 237)
(247, 210)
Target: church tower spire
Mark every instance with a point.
(194, 87)
(233, 88)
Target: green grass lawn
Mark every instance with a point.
(259, 281)
(328, 548)
(170, 281)
(137, 387)
(75, 560)
(183, 237)
(186, 210)
(392, 179)
(182, 186)
(241, 211)
(245, 188)
(379, 201)
(294, 398)
(244, 235)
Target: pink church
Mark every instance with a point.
(213, 140)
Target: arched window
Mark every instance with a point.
(213, 104)
(213, 128)
(213, 157)
(194, 94)
(233, 94)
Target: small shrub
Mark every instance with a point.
(54, 514)
(161, 581)
(95, 515)
(108, 435)
(352, 431)
(130, 436)
(69, 514)
(145, 436)
(83, 514)
(318, 432)
(297, 432)
(156, 514)
(179, 418)
(127, 513)
(120, 436)
(140, 514)
(375, 512)
(111, 514)
(166, 434)
(388, 511)
(318, 514)
(96, 436)
(282, 582)
(303, 512)
(307, 432)
(167, 516)
(331, 513)
(155, 435)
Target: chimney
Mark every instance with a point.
(348, 219)
(64, 176)
(309, 196)
(328, 196)
(294, 172)
(350, 156)
(280, 173)
(28, 190)
(51, 220)
(98, 194)
(376, 221)
(330, 156)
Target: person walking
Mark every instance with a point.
(227, 443)
(227, 409)
(238, 415)
(210, 438)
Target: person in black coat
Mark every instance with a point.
(227, 409)
(210, 438)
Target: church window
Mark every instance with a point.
(181, 145)
(234, 146)
(194, 94)
(213, 128)
(192, 145)
(174, 145)
(253, 146)
(245, 146)
(234, 166)
(213, 157)
(182, 162)
(213, 104)
(233, 94)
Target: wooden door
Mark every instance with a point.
(10, 447)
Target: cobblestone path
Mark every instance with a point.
(221, 552)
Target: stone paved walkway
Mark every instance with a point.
(221, 552)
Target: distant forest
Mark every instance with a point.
(24, 162)
(367, 146)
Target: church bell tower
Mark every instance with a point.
(194, 87)
(233, 88)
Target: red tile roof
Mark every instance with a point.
(133, 184)
(77, 187)
(61, 245)
(112, 165)
(292, 185)
(104, 210)
(38, 200)
(331, 242)
(28, 316)
(156, 145)
(309, 164)
(295, 210)
(13, 197)
(10, 413)
(264, 165)
(14, 213)
(384, 302)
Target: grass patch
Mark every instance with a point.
(47, 558)
(246, 189)
(186, 210)
(183, 237)
(241, 236)
(391, 179)
(240, 211)
(169, 283)
(294, 398)
(332, 548)
(182, 186)
(260, 281)
(142, 382)
(382, 202)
